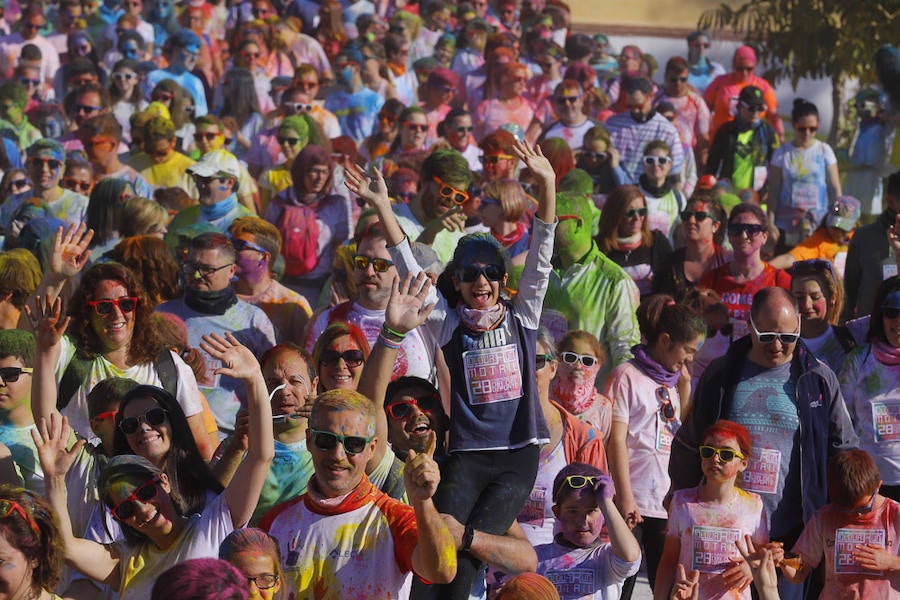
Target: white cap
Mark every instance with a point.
(216, 162)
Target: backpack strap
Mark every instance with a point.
(844, 337)
(73, 376)
(167, 371)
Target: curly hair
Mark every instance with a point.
(44, 548)
(151, 261)
(145, 342)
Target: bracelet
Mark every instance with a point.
(393, 333)
(387, 342)
(467, 539)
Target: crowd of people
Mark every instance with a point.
(378, 299)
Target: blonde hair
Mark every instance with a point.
(511, 196)
(142, 216)
(334, 400)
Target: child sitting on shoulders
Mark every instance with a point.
(856, 534)
(706, 521)
(577, 563)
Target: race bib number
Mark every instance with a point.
(713, 547)
(805, 196)
(886, 420)
(493, 374)
(665, 433)
(762, 471)
(533, 511)
(888, 271)
(846, 541)
(574, 583)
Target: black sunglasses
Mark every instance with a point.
(327, 441)
(12, 374)
(472, 272)
(153, 417)
(748, 229)
(698, 215)
(595, 155)
(727, 329)
(353, 358)
(541, 360)
(635, 212)
(666, 409)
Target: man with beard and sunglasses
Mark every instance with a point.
(343, 534)
(793, 407)
(373, 273)
(209, 306)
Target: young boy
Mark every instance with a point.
(16, 362)
(577, 563)
(856, 534)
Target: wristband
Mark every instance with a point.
(468, 538)
(393, 333)
(387, 342)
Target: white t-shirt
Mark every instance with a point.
(537, 518)
(649, 439)
(139, 566)
(187, 394)
(593, 573)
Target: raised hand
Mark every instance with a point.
(687, 587)
(70, 250)
(604, 489)
(406, 309)
(237, 360)
(46, 322)
(421, 474)
(371, 189)
(534, 159)
(51, 440)
(761, 563)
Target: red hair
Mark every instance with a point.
(733, 430)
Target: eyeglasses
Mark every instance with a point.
(290, 141)
(38, 162)
(807, 129)
(27, 82)
(587, 155)
(99, 141)
(75, 185)
(495, 158)
(754, 109)
(576, 482)
(265, 581)
(387, 117)
(153, 417)
(677, 79)
(144, 493)
(12, 374)
(541, 360)
(767, 337)
(748, 229)
(19, 183)
(403, 408)
(462, 129)
(353, 358)
(241, 245)
(251, 55)
(32, 26)
(727, 329)
(86, 109)
(420, 127)
(890, 313)
(297, 106)
(103, 307)
(450, 192)
(207, 135)
(636, 212)
(471, 273)
(327, 441)
(204, 270)
(163, 97)
(862, 510)
(666, 409)
(380, 265)
(563, 100)
(744, 69)
(110, 414)
(697, 215)
(8, 507)
(700, 44)
(659, 160)
(724, 454)
(570, 358)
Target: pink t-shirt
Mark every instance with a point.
(491, 114)
(707, 532)
(833, 534)
(649, 439)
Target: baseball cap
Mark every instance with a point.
(752, 96)
(216, 162)
(844, 213)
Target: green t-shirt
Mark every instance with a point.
(742, 177)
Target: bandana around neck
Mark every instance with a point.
(482, 319)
